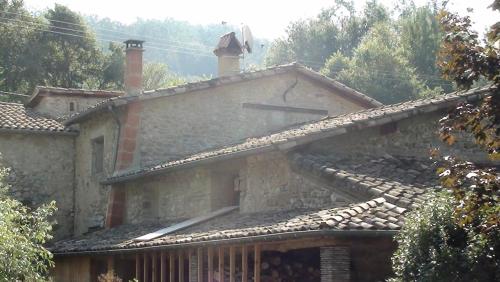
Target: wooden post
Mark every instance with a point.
(221, 264)
(244, 263)
(210, 258)
(163, 267)
(200, 264)
(138, 267)
(171, 262)
(181, 267)
(190, 270)
(256, 264)
(231, 264)
(110, 264)
(154, 275)
(146, 268)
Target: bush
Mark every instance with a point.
(433, 247)
(23, 232)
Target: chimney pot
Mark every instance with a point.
(228, 51)
(133, 67)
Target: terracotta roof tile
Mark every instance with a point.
(17, 117)
(329, 126)
(401, 181)
(237, 225)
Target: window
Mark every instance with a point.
(71, 106)
(98, 155)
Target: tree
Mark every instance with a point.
(378, 69)
(23, 232)
(473, 188)
(157, 75)
(20, 63)
(110, 70)
(338, 28)
(420, 39)
(432, 246)
(69, 60)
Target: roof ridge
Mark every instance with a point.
(12, 103)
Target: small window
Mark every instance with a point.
(98, 155)
(71, 106)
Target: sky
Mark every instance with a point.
(266, 18)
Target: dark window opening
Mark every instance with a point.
(389, 128)
(98, 155)
(71, 106)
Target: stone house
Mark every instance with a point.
(280, 174)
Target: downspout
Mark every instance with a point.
(119, 125)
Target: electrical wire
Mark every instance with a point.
(113, 31)
(199, 54)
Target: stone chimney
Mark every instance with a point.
(228, 51)
(133, 67)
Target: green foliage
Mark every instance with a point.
(420, 40)
(156, 75)
(69, 60)
(433, 247)
(466, 60)
(378, 69)
(456, 238)
(339, 28)
(20, 64)
(23, 232)
(391, 60)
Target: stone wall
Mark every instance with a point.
(58, 105)
(42, 170)
(187, 123)
(272, 184)
(414, 136)
(182, 194)
(91, 196)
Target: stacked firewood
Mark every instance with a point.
(278, 268)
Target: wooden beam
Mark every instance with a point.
(200, 264)
(181, 266)
(244, 263)
(110, 261)
(138, 267)
(256, 267)
(232, 265)
(145, 271)
(221, 264)
(163, 267)
(210, 262)
(302, 244)
(171, 262)
(190, 269)
(154, 275)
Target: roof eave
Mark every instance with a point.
(244, 240)
(306, 139)
(41, 132)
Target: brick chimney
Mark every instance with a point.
(228, 51)
(133, 67)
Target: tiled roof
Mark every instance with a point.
(16, 117)
(43, 90)
(311, 131)
(401, 180)
(228, 43)
(388, 185)
(343, 90)
(375, 215)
